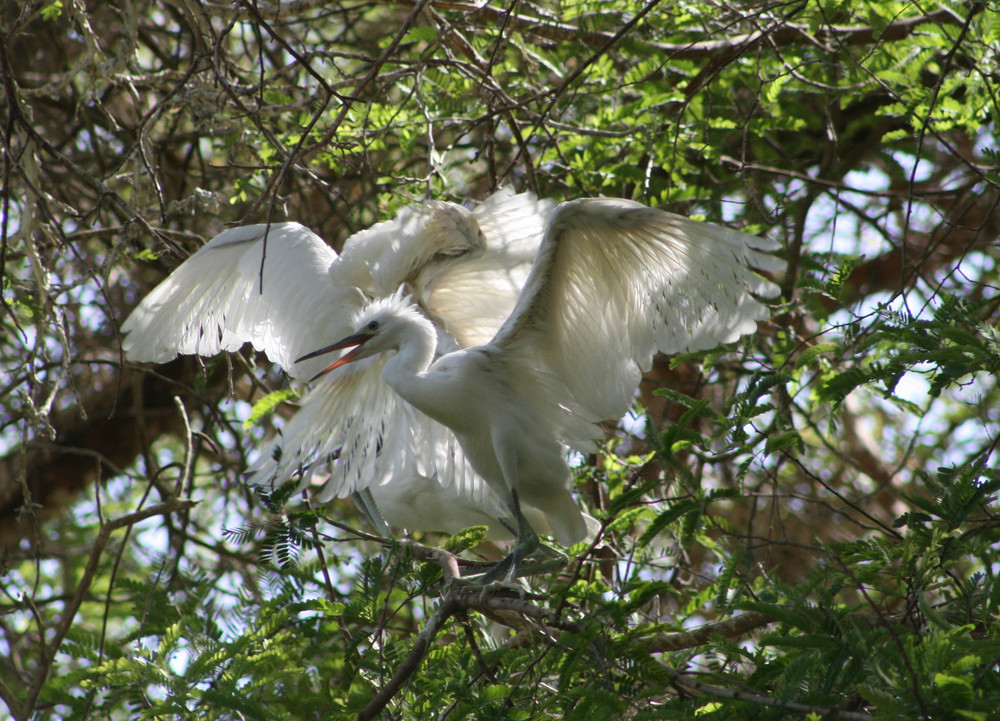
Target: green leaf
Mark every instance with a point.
(421, 33)
(807, 356)
(665, 519)
(52, 11)
(838, 386)
(266, 405)
(786, 439)
(466, 539)
(957, 692)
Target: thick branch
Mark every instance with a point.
(786, 34)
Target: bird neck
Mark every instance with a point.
(405, 372)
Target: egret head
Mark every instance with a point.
(378, 327)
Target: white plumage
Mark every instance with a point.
(230, 293)
(613, 282)
(282, 289)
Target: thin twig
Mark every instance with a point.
(735, 626)
(458, 600)
(412, 661)
(446, 560)
(563, 32)
(83, 587)
(685, 680)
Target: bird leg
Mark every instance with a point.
(528, 557)
(364, 500)
(526, 542)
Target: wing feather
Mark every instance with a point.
(381, 258)
(614, 282)
(472, 299)
(227, 294)
(353, 431)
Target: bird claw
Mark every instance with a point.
(488, 588)
(505, 573)
(544, 559)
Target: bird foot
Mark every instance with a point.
(544, 559)
(488, 588)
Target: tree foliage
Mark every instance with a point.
(801, 526)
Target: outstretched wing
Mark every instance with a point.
(472, 298)
(240, 289)
(614, 282)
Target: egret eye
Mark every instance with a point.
(373, 326)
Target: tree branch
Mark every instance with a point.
(682, 679)
(787, 34)
(69, 614)
(735, 626)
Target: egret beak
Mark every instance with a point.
(358, 339)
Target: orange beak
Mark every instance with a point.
(358, 340)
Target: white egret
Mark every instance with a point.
(281, 288)
(613, 282)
